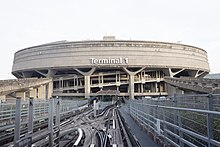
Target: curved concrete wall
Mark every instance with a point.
(111, 53)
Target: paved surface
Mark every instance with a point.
(140, 134)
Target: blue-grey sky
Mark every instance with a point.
(25, 23)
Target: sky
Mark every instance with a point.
(25, 23)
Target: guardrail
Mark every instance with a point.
(187, 120)
(40, 110)
(22, 115)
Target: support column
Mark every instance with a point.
(77, 81)
(42, 92)
(142, 81)
(50, 89)
(142, 88)
(86, 80)
(87, 86)
(172, 74)
(51, 73)
(21, 95)
(61, 83)
(100, 80)
(156, 88)
(131, 87)
(3, 98)
(131, 81)
(33, 93)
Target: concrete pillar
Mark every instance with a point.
(117, 88)
(116, 78)
(77, 81)
(87, 86)
(50, 89)
(161, 87)
(156, 88)
(51, 73)
(26, 74)
(139, 88)
(86, 80)
(42, 92)
(33, 93)
(172, 74)
(100, 80)
(131, 81)
(3, 98)
(74, 81)
(142, 88)
(131, 87)
(20, 95)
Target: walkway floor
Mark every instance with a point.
(140, 134)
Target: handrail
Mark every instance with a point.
(7, 112)
(172, 118)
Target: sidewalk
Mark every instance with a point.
(140, 134)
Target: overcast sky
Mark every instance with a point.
(24, 23)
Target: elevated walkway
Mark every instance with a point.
(141, 136)
(195, 84)
(15, 85)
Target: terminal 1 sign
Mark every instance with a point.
(109, 60)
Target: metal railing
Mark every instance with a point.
(15, 118)
(40, 110)
(186, 120)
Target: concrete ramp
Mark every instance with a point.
(16, 85)
(195, 84)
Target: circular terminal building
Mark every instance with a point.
(129, 68)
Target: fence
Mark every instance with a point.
(21, 115)
(8, 110)
(187, 120)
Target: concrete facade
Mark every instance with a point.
(38, 88)
(184, 85)
(135, 68)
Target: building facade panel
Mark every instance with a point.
(110, 65)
